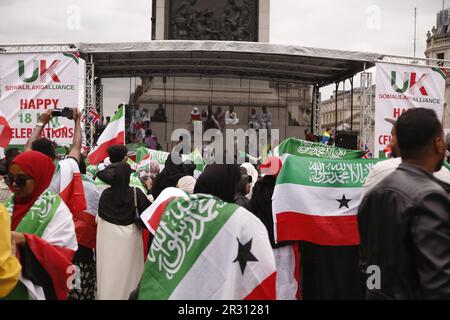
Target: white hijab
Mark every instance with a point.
(187, 184)
(251, 171)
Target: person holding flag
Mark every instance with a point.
(68, 183)
(43, 229)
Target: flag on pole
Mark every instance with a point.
(205, 248)
(93, 117)
(113, 134)
(316, 200)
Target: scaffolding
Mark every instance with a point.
(89, 98)
(316, 111)
(315, 67)
(366, 138)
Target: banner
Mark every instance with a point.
(400, 88)
(30, 84)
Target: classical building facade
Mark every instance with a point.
(344, 113)
(438, 47)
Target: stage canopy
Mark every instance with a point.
(261, 61)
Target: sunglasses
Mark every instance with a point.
(20, 180)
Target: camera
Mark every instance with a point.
(65, 112)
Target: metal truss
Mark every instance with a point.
(89, 98)
(32, 48)
(317, 99)
(99, 96)
(366, 138)
(410, 61)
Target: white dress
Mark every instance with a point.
(120, 260)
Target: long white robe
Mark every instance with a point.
(120, 260)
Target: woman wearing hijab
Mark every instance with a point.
(120, 252)
(43, 229)
(252, 172)
(242, 190)
(261, 200)
(219, 180)
(187, 184)
(285, 253)
(170, 175)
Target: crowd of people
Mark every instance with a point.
(220, 120)
(403, 219)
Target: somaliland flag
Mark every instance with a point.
(205, 248)
(304, 148)
(316, 200)
(113, 134)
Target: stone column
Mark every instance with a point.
(264, 21)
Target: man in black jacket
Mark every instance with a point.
(404, 221)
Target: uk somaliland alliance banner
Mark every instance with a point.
(400, 88)
(113, 134)
(316, 200)
(30, 84)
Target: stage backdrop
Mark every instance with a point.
(400, 88)
(31, 83)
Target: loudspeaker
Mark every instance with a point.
(347, 140)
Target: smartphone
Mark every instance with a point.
(65, 112)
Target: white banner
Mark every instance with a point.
(400, 88)
(31, 83)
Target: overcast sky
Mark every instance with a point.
(377, 26)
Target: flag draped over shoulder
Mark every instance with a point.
(304, 148)
(316, 200)
(113, 134)
(50, 236)
(85, 225)
(205, 248)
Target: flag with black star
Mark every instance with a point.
(317, 199)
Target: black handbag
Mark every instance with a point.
(137, 217)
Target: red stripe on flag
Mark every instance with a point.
(157, 215)
(85, 229)
(55, 260)
(327, 231)
(73, 196)
(101, 153)
(145, 240)
(266, 290)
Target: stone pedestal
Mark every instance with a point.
(163, 18)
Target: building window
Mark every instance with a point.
(441, 56)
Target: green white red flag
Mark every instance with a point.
(113, 134)
(67, 182)
(316, 200)
(302, 148)
(205, 248)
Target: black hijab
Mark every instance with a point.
(170, 175)
(116, 203)
(219, 180)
